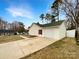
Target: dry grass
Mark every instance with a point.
(63, 49)
(4, 39)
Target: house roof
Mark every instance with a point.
(50, 24)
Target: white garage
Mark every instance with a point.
(55, 31)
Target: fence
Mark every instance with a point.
(71, 33)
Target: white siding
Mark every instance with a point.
(55, 33)
(51, 33)
(34, 30)
(62, 31)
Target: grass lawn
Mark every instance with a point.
(4, 39)
(63, 49)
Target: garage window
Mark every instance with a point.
(40, 32)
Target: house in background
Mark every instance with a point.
(55, 30)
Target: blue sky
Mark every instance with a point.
(26, 11)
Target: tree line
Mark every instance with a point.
(15, 25)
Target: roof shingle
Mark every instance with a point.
(50, 24)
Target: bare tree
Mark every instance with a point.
(71, 9)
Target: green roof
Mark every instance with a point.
(50, 24)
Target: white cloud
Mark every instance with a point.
(15, 12)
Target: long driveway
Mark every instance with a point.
(21, 48)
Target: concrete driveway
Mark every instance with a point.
(21, 48)
(10, 50)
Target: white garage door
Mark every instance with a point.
(51, 33)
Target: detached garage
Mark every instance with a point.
(55, 30)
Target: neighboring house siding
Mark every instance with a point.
(34, 30)
(71, 33)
